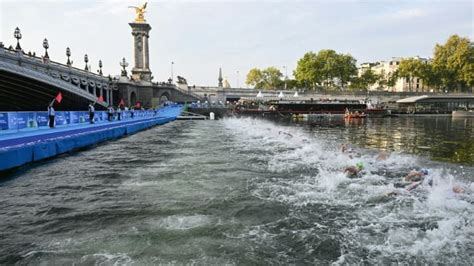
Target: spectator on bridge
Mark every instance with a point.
(91, 112)
(132, 112)
(51, 114)
(110, 113)
(119, 113)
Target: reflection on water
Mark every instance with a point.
(439, 138)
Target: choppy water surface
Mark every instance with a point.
(245, 191)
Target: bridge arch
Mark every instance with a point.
(165, 96)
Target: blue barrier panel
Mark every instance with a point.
(50, 144)
(3, 121)
(65, 144)
(81, 141)
(44, 150)
(17, 156)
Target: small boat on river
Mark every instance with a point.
(282, 108)
(354, 116)
(460, 113)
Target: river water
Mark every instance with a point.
(246, 191)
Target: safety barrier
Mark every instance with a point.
(21, 120)
(23, 149)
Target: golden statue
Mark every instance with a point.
(140, 11)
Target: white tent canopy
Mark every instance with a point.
(296, 94)
(281, 95)
(259, 94)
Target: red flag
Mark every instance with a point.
(100, 99)
(59, 97)
(122, 102)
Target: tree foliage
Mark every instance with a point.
(366, 79)
(254, 77)
(409, 69)
(454, 63)
(325, 66)
(268, 78)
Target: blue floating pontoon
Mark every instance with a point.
(28, 145)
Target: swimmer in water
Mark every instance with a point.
(415, 176)
(354, 171)
(346, 148)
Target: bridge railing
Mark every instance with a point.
(14, 54)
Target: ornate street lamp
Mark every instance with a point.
(17, 35)
(124, 64)
(68, 54)
(100, 67)
(86, 60)
(45, 46)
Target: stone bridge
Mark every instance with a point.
(29, 83)
(232, 94)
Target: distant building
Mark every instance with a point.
(387, 68)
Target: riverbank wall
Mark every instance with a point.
(22, 147)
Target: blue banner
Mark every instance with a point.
(73, 117)
(61, 118)
(3, 121)
(42, 119)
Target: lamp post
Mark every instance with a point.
(172, 63)
(45, 46)
(68, 54)
(238, 79)
(100, 68)
(17, 35)
(86, 60)
(124, 64)
(286, 76)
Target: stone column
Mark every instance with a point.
(141, 69)
(111, 97)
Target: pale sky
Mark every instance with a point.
(201, 36)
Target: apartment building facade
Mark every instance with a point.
(386, 68)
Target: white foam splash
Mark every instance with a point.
(177, 222)
(427, 221)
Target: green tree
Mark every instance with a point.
(454, 63)
(269, 78)
(346, 68)
(272, 78)
(409, 69)
(322, 68)
(292, 84)
(255, 78)
(308, 71)
(328, 59)
(366, 79)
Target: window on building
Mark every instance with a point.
(408, 79)
(417, 86)
(417, 80)
(391, 62)
(398, 63)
